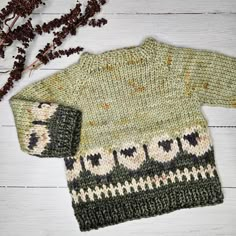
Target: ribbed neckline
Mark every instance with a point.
(147, 49)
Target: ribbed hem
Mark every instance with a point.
(101, 213)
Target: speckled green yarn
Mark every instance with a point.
(128, 124)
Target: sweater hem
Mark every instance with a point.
(106, 212)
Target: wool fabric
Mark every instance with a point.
(127, 123)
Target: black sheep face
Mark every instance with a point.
(131, 155)
(196, 140)
(163, 148)
(128, 152)
(94, 159)
(165, 144)
(192, 138)
(99, 161)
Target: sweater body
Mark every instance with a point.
(128, 124)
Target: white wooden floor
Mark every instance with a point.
(34, 199)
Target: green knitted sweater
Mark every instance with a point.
(128, 125)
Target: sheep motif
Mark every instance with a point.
(196, 142)
(37, 137)
(163, 148)
(99, 161)
(131, 155)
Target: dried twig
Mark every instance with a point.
(24, 34)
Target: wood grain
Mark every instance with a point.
(34, 199)
(150, 7)
(209, 32)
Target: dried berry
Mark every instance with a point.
(25, 33)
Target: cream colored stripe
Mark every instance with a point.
(151, 183)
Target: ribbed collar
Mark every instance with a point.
(147, 49)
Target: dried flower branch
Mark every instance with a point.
(25, 33)
(16, 72)
(18, 8)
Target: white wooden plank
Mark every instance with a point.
(42, 212)
(20, 169)
(224, 140)
(27, 79)
(219, 116)
(170, 6)
(211, 32)
(143, 6)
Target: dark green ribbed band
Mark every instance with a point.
(64, 128)
(110, 211)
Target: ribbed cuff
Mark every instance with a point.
(64, 129)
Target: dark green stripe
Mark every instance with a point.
(101, 213)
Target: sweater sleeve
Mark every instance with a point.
(46, 122)
(210, 76)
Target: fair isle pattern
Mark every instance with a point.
(164, 148)
(194, 140)
(38, 137)
(190, 139)
(99, 158)
(128, 124)
(43, 111)
(141, 184)
(131, 155)
(48, 123)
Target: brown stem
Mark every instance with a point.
(37, 60)
(10, 27)
(45, 53)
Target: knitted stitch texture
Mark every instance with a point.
(128, 124)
